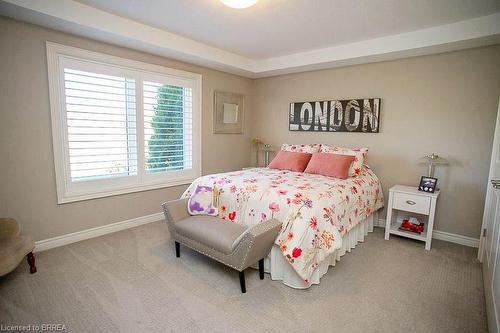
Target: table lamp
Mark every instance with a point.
(433, 160)
(267, 150)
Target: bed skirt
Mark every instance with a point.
(280, 269)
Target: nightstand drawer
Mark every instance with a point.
(412, 203)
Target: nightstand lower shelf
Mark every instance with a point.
(394, 230)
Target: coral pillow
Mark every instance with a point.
(201, 202)
(287, 160)
(358, 153)
(332, 165)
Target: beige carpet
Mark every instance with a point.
(131, 281)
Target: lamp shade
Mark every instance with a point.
(434, 159)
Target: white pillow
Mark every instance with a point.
(358, 153)
(311, 148)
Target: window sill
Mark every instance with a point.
(75, 197)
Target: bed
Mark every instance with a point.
(323, 217)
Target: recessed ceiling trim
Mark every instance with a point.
(465, 34)
(87, 21)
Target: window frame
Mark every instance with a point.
(69, 191)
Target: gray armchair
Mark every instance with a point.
(232, 244)
(14, 247)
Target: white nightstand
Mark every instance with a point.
(407, 201)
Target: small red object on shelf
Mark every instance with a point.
(406, 225)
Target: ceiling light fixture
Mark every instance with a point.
(239, 4)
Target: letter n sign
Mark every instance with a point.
(349, 115)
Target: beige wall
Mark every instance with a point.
(27, 183)
(442, 103)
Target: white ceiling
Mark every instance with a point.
(275, 36)
(280, 27)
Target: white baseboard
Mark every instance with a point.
(74, 237)
(454, 238)
(446, 236)
(95, 232)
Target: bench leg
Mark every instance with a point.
(31, 261)
(177, 249)
(261, 269)
(242, 282)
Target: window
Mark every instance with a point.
(119, 125)
(167, 127)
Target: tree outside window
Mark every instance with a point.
(166, 145)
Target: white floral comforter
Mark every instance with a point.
(316, 210)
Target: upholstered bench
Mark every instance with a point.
(230, 243)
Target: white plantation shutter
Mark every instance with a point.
(101, 125)
(120, 126)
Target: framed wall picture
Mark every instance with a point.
(229, 111)
(427, 184)
(360, 115)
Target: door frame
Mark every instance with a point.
(489, 191)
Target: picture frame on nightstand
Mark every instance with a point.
(427, 184)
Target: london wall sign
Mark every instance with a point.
(348, 115)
